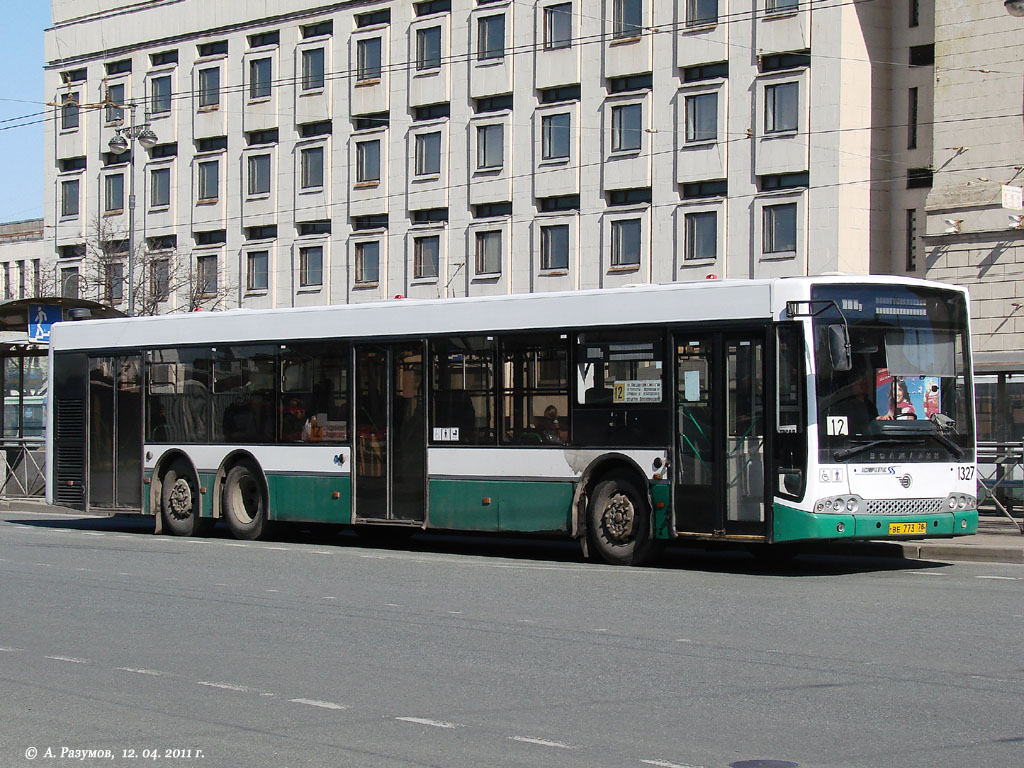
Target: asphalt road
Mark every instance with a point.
(460, 652)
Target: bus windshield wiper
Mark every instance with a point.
(956, 450)
(847, 453)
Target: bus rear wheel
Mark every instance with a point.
(179, 507)
(245, 507)
(619, 525)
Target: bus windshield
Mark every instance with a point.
(905, 396)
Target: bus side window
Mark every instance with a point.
(463, 402)
(790, 440)
(535, 389)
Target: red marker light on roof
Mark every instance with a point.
(399, 296)
(711, 277)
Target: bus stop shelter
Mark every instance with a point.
(24, 346)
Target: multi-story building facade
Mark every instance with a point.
(972, 239)
(355, 151)
(21, 260)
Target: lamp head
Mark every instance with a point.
(147, 139)
(118, 145)
(1014, 7)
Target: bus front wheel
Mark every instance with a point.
(619, 524)
(245, 507)
(179, 501)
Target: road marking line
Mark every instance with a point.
(44, 565)
(431, 723)
(93, 533)
(273, 590)
(225, 686)
(683, 640)
(141, 671)
(667, 764)
(69, 659)
(541, 742)
(278, 549)
(124, 574)
(454, 613)
(123, 536)
(10, 650)
(925, 573)
(999, 578)
(234, 544)
(321, 704)
(392, 605)
(82, 569)
(329, 597)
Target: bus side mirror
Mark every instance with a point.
(839, 347)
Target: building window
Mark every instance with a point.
(490, 146)
(69, 198)
(259, 78)
(209, 87)
(69, 111)
(209, 180)
(113, 193)
(626, 243)
(313, 69)
(627, 127)
(113, 282)
(912, 103)
(159, 187)
(259, 175)
(701, 117)
(780, 107)
(368, 59)
(488, 252)
(554, 247)
(160, 279)
(68, 283)
(368, 161)
(781, 6)
(428, 48)
(115, 96)
(312, 159)
(311, 266)
(426, 255)
(779, 229)
(160, 95)
(555, 136)
(490, 37)
(367, 262)
(701, 12)
(915, 13)
(558, 26)
(911, 240)
(628, 18)
(256, 273)
(701, 235)
(206, 275)
(428, 154)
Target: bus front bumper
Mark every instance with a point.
(790, 524)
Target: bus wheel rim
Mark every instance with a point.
(180, 499)
(618, 519)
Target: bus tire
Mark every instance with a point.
(179, 501)
(619, 524)
(244, 505)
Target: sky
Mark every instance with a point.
(21, 104)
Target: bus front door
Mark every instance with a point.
(720, 451)
(115, 433)
(390, 450)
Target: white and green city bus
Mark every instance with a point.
(764, 411)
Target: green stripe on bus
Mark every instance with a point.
(310, 498)
(796, 525)
(206, 480)
(494, 505)
(661, 493)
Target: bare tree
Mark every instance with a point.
(165, 279)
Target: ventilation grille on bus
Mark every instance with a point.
(69, 454)
(904, 506)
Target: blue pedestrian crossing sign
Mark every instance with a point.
(41, 318)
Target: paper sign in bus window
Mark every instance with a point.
(629, 391)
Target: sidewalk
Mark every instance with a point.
(998, 540)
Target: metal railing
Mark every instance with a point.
(23, 462)
(1001, 477)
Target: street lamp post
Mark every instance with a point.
(123, 141)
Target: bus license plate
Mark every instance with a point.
(907, 529)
